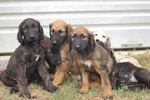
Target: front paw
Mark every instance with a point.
(52, 89)
(84, 90)
(14, 90)
(107, 98)
(24, 94)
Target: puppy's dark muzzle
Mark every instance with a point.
(54, 42)
(58, 62)
(77, 46)
(32, 36)
(55, 39)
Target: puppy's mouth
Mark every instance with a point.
(80, 50)
(30, 40)
(56, 43)
(99, 42)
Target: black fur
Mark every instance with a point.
(28, 60)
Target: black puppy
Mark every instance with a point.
(28, 60)
(125, 73)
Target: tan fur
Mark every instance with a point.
(97, 57)
(64, 52)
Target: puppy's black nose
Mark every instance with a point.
(54, 42)
(97, 40)
(77, 46)
(58, 62)
(31, 36)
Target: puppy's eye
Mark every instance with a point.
(84, 37)
(35, 27)
(73, 37)
(95, 34)
(25, 27)
(103, 36)
(52, 30)
(32, 25)
(61, 31)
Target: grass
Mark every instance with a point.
(70, 89)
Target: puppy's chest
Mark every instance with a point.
(34, 56)
(87, 65)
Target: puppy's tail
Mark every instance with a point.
(143, 76)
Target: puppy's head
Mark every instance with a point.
(59, 32)
(82, 40)
(103, 37)
(30, 30)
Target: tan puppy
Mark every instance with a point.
(91, 57)
(59, 32)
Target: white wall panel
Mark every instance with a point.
(127, 21)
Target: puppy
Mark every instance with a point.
(59, 35)
(91, 57)
(125, 73)
(103, 37)
(27, 60)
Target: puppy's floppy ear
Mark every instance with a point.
(20, 36)
(50, 26)
(108, 42)
(69, 41)
(69, 29)
(92, 41)
(40, 30)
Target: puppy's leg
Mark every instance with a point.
(45, 77)
(85, 81)
(94, 80)
(52, 68)
(61, 72)
(106, 85)
(6, 80)
(22, 81)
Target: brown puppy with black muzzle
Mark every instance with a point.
(59, 33)
(91, 57)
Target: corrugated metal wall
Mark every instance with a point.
(127, 21)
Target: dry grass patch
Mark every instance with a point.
(70, 89)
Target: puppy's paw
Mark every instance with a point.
(14, 90)
(84, 90)
(53, 89)
(107, 98)
(24, 94)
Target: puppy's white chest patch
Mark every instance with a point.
(37, 57)
(88, 63)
